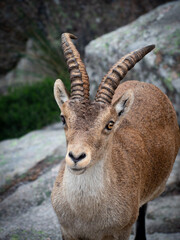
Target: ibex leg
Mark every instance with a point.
(140, 224)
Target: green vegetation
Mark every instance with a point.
(28, 234)
(32, 107)
(174, 38)
(14, 237)
(2, 163)
(168, 83)
(47, 54)
(28, 108)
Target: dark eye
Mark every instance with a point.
(63, 120)
(109, 125)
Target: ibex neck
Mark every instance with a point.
(89, 185)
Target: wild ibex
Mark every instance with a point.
(120, 150)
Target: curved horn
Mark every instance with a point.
(78, 74)
(112, 79)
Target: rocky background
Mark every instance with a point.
(22, 21)
(29, 165)
(161, 67)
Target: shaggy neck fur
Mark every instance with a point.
(81, 190)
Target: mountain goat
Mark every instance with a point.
(120, 150)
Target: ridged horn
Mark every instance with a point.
(112, 79)
(78, 74)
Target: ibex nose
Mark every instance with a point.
(77, 158)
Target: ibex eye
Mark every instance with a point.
(109, 125)
(63, 120)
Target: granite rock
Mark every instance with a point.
(160, 67)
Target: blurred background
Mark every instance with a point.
(32, 139)
(31, 52)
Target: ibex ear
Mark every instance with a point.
(124, 103)
(60, 93)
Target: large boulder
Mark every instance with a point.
(18, 157)
(27, 71)
(27, 213)
(161, 67)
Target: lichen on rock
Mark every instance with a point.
(161, 67)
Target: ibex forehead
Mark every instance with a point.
(86, 113)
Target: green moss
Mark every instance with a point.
(48, 193)
(156, 50)
(23, 175)
(93, 26)
(77, 14)
(40, 201)
(8, 180)
(21, 234)
(174, 38)
(168, 83)
(14, 143)
(106, 45)
(3, 162)
(39, 232)
(14, 237)
(168, 27)
(52, 159)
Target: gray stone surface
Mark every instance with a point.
(163, 215)
(174, 178)
(28, 211)
(29, 195)
(26, 72)
(38, 221)
(161, 236)
(17, 156)
(160, 67)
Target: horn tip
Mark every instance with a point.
(72, 36)
(145, 50)
(150, 47)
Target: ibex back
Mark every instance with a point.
(120, 150)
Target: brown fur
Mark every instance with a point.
(127, 167)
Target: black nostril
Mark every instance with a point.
(71, 155)
(76, 159)
(83, 155)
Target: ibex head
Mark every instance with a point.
(90, 125)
